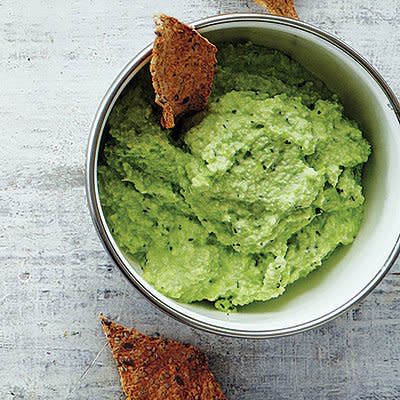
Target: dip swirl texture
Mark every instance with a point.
(254, 194)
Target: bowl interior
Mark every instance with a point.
(352, 269)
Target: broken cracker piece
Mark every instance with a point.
(284, 8)
(152, 368)
(182, 69)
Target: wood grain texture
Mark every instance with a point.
(56, 61)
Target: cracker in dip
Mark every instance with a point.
(182, 69)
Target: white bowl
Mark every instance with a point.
(353, 271)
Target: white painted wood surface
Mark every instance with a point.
(57, 58)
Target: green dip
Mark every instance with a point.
(255, 193)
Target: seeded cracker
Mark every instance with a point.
(152, 368)
(182, 69)
(284, 8)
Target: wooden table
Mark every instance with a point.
(56, 61)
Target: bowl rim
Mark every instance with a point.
(94, 205)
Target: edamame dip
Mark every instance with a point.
(244, 198)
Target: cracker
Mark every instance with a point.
(152, 368)
(182, 69)
(283, 8)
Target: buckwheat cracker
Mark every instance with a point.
(182, 69)
(283, 8)
(152, 368)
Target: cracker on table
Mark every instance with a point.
(182, 69)
(152, 368)
(283, 8)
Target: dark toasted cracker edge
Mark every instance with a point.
(182, 69)
(284, 8)
(152, 368)
(110, 330)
